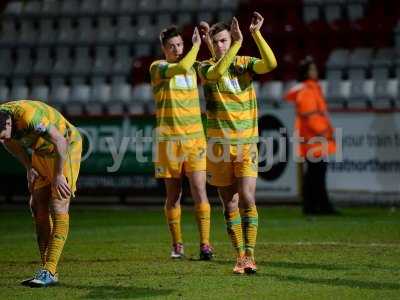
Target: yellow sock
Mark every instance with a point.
(234, 228)
(57, 241)
(43, 224)
(50, 234)
(250, 226)
(203, 210)
(173, 216)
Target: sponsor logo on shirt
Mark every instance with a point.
(232, 84)
(184, 82)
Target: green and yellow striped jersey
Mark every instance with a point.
(30, 124)
(177, 103)
(231, 102)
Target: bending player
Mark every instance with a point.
(52, 171)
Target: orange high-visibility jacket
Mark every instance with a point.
(312, 119)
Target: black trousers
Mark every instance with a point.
(314, 193)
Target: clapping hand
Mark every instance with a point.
(236, 34)
(196, 37)
(256, 22)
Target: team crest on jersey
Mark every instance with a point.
(40, 128)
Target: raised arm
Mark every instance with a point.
(205, 36)
(217, 70)
(187, 62)
(268, 61)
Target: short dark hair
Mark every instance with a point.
(4, 116)
(169, 32)
(303, 68)
(218, 27)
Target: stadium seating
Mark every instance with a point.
(82, 50)
(18, 92)
(59, 93)
(39, 92)
(370, 77)
(3, 93)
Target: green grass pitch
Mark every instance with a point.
(124, 254)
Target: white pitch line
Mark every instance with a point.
(314, 244)
(333, 244)
(300, 243)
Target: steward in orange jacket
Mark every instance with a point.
(312, 120)
(316, 138)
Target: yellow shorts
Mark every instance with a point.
(45, 167)
(181, 156)
(227, 162)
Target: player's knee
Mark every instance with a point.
(247, 198)
(199, 193)
(60, 206)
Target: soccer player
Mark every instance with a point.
(232, 133)
(49, 147)
(180, 139)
